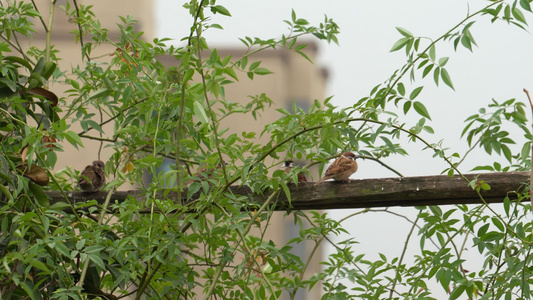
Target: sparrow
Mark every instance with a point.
(288, 165)
(342, 168)
(93, 177)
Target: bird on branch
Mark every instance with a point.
(342, 168)
(288, 165)
(92, 179)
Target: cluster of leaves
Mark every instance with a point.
(154, 116)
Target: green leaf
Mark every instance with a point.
(404, 32)
(465, 41)
(6, 192)
(287, 191)
(446, 78)
(73, 138)
(436, 75)
(507, 153)
(400, 44)
(20, 61)
(406, 106)
(293, 15)
(39, 194)
(262, 71)
(214, 56)
(421, 109)
(428, 129)
(92, 249)
(244, 62)
(59, 206)
(10, 84)
(415, 92)
(432, 53)
(401, 89)
(507, 13)
(199, 112)
(525, 5)
(483, 168)
(49, 69)
(254, 65)
(188, 75)
(97, 260)
(231, 72)
(39, 265)
(524, 154)
(39, 66)
(443, 61)
(427, 70)
(301, 22)
(61, 248)
(507, 204)
(388, 142)
(30, 289)
(101, 93)
(517, 14)
(498, 223)
(221, 10)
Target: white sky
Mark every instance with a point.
(500, 67)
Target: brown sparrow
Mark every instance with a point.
(93, 177)
(288, 165)
(342, 168)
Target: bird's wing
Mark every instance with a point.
(85, 174)
(100, 173)
(338, 166)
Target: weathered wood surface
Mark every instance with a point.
(382, 192)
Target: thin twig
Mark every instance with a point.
(212, 114)
(80, 30)
(381, 163)
(100, 220)
(48, 29)
(531, 172)
(121, 113)
(400, 261)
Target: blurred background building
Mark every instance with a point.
(294, 80)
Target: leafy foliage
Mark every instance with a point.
(208, 247)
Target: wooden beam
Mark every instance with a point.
(363, 193)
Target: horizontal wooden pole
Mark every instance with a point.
(408, 191)
(362, 193)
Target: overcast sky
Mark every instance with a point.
(499, 68)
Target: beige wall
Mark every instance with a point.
(294, 79)
(70, 52)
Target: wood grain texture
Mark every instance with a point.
(363, 193)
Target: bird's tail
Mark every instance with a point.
(322, 179)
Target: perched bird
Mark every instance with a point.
(342, 168)
(288, 165)
(93, 177)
